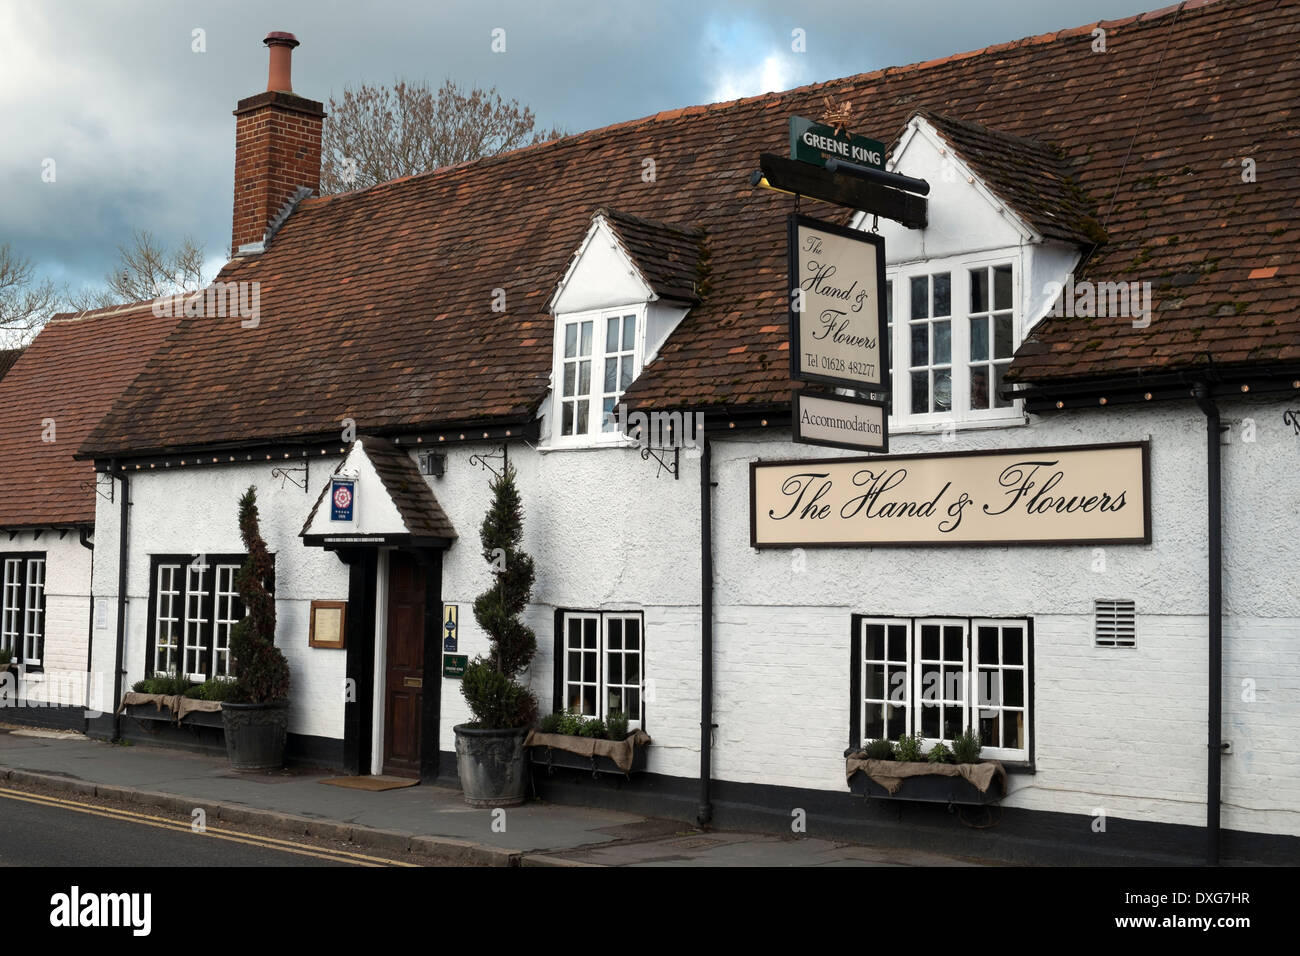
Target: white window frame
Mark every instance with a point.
(595, 433)
(22, 608)
(961, 415)
(192, 610)
(604, 653)
(913, 696)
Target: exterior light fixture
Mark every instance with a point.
(433, 463)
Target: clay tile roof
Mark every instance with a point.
(59, 388)
(669, 256)
(411, 494)
(1034, 178)
(7, 359)
(377, 305)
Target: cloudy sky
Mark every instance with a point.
(140, 130)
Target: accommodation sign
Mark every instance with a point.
(815, 142)
(1082, 494)
(839, 422)
(837, 306)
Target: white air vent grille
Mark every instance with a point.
(1116, 624)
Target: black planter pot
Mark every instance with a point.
(255, 734)
(491, 766)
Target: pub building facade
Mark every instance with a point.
(1032, 558)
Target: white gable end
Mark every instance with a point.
(965, 216)
(601, 276)
(373, 511)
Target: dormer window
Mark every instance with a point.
(597, 356)
(964, 291)
(953, 341)
(629, 284)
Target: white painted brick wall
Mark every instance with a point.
(67, 596)
(1123, 730)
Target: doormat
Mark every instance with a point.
(372, 782)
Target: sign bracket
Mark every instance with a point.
(289, 474)
(647, 452)
(815, 182)
(482, 461)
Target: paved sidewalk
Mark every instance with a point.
(435, 819)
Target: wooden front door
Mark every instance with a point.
(404, 672)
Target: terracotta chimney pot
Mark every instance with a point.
(281, 45)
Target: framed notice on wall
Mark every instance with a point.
(328, 624)
(837, 306)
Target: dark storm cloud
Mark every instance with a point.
(140, 130)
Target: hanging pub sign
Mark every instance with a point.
(839, 422)
(812, 142)
(343, 499)
(837, 306)
(1081, 494)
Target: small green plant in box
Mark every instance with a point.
(550, 724)
(592, 728)
(966, 747)
(879, 750)
(939, 753)
(216, 688)
(168, 685)
(616, 725)
(6, 656)
(909, 747)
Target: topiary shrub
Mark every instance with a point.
(261, 672)
(909, 747)
(490, 687)
(879, 750)
(593, 728)
(966, 747)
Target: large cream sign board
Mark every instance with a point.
(1082, 494)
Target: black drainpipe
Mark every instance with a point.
(83, 537)
(706, 634)
(124, 490)
(1214, 514)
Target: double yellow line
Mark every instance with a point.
(217, 833)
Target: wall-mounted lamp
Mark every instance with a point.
(433, 463)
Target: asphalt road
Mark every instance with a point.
(55, 829)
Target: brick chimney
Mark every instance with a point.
(277, 149)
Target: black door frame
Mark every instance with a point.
(358, 708)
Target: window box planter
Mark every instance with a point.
(149, 706)
(973, 784)
(624, 757)
(171, 709)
